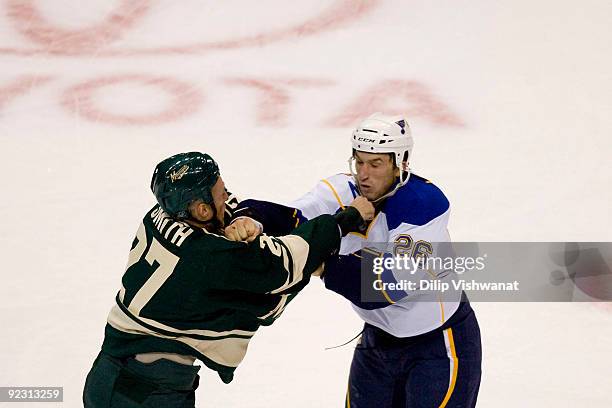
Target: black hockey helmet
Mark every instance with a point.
(182, 178)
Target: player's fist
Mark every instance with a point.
(243, 229)
(365, 208)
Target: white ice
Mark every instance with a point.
(530, 80)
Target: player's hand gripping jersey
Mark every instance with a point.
(192, 292)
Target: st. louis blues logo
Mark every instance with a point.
(402, 124)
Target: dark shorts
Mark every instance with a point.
(441, 368)
(114, 382)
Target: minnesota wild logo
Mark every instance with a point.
(177, 175)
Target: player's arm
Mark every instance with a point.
(353, 276)
(278, 219)
(275, 219)
(274, 264)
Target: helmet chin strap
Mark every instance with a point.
(397, 186)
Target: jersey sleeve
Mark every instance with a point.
(322, 199)
(351, 277)
(275, 264)
(276, 219)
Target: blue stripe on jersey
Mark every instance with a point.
(354, 189)
(416, 203)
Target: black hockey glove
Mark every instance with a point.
(350, 220)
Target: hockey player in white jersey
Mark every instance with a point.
(412, 353)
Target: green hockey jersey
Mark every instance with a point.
(189, 291)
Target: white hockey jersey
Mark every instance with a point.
(418, 211)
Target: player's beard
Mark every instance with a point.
(214, 225)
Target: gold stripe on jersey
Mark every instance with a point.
(297, 220)
(364, 236)
(334, 192)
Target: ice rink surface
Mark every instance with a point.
(509, 103)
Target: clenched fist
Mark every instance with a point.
(365, 208)
(243, 229)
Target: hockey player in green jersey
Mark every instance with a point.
(189, 293)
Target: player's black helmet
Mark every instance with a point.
(182, 178)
